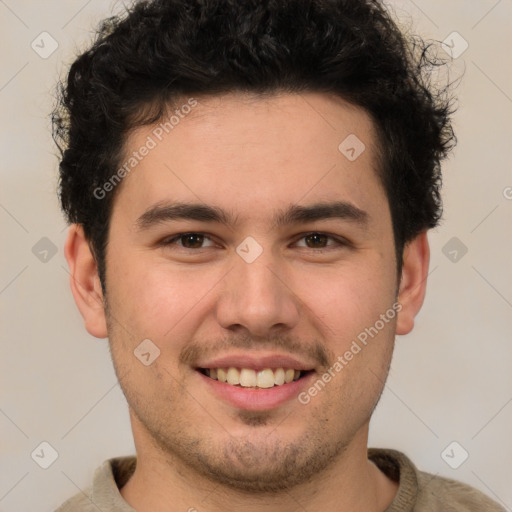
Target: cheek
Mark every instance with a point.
(155, 299)
(346, 300)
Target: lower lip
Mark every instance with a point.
(256, 399)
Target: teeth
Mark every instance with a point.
(279, 377)
(249, 378)
(265, 379)
(233, 376)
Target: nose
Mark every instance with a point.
(258, 297)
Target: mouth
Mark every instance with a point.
(260, 381)
(265, 378)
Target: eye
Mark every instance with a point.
(188, 240)
(192, 240)
(320, 241)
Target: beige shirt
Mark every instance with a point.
(417, 492)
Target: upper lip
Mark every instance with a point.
(254, 362)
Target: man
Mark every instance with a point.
(250, 186)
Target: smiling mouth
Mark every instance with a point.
(255, 379)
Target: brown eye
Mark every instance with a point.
(320, 241)
(316, 240)
(192, 240)
(188, 241)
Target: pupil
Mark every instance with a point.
(317, 238)
(190, 239)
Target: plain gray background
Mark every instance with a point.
(451, 378)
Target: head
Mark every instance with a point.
(253, 111)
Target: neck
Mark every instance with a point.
(351, 483)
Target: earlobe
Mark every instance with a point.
(413, 282)
(84, 281)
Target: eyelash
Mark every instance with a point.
(339, 241)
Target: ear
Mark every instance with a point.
(85, 281)
(413, 283)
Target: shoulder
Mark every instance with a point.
(419, 491)
(80, 502)
(446, 495)
(104, 493)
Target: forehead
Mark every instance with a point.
(249, 154)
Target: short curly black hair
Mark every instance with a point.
(161, 50)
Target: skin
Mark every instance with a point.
(252, 156)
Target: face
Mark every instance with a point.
(284, 263)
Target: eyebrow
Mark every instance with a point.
(294, 214)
